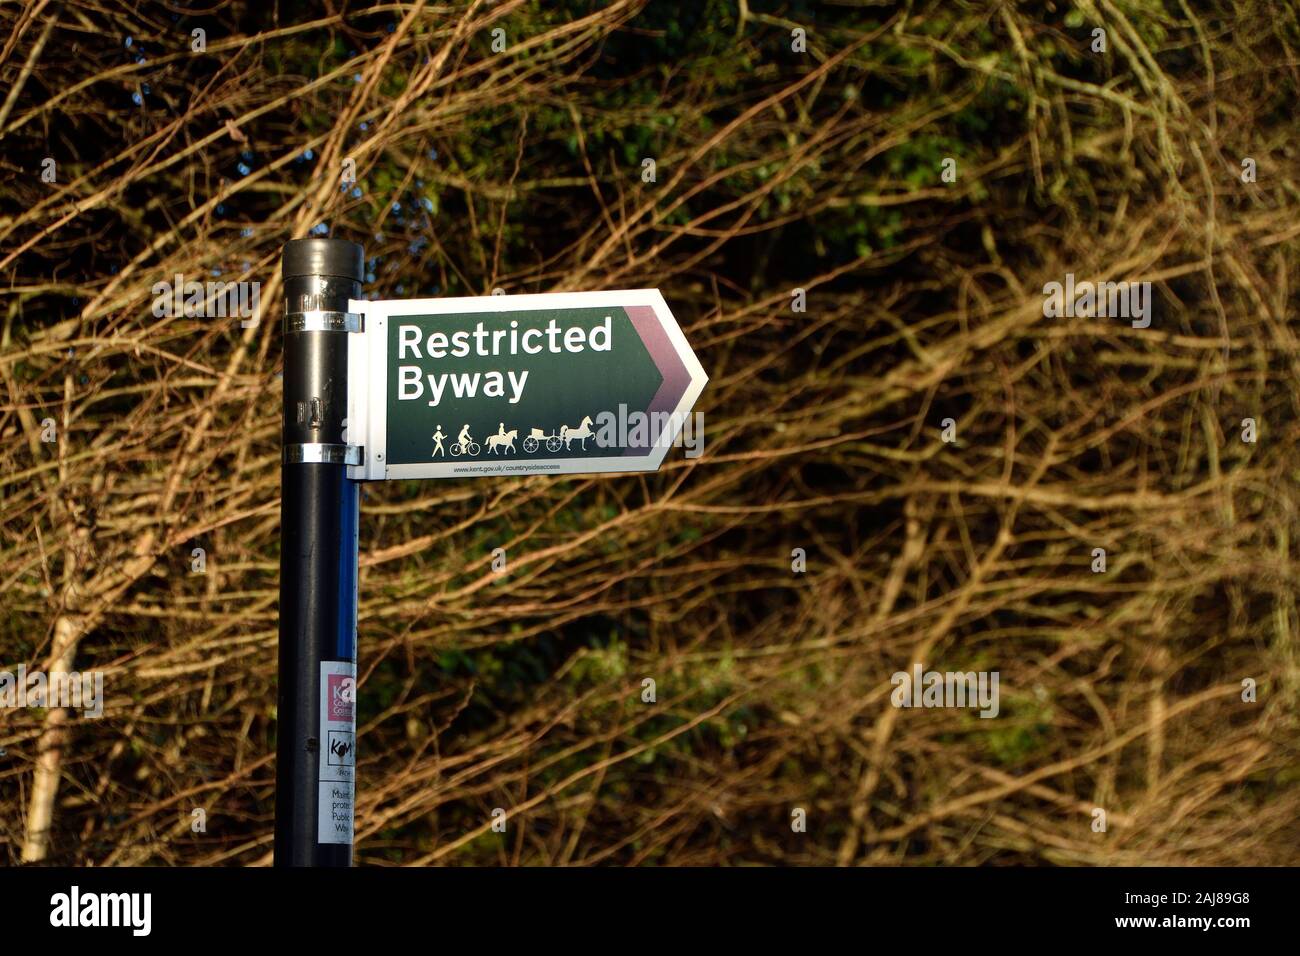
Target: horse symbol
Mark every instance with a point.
(502, 440)
(581, 433)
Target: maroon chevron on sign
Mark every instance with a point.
(558, 383)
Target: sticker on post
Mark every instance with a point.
(338, 689)
(335, 824)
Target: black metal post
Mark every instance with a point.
(315, 769)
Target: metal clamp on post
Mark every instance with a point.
(310, 453)
(323, 320)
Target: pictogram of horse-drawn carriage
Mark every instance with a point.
(536, 436)
(566, 436)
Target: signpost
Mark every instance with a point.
(318, 560)
(562, 383)
(558, 383)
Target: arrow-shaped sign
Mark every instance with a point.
(560, 383)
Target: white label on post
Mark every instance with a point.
(338, 751)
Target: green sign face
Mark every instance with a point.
(508, 385)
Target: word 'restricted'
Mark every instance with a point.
(412, 342)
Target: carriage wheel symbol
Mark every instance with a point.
(530, 444)
(553, 443)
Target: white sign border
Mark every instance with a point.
(368, 379)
